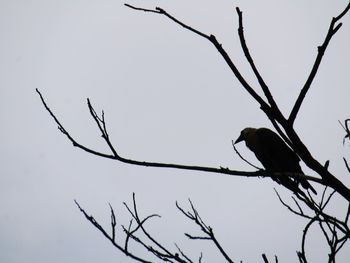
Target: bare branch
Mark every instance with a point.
(265, 258)
(346, 129)
(347, 214)
(64, 131)
(113, 222)
(161, 11)
(183, 254)
(219, 48)
(295, 141)
(346, 164)
(299, 213)
(100, 122)
(195, 217)
(303, 256)
(335, 231)
(92, 220)
(261, 81)
(333, 28)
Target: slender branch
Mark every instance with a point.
(100, 122)
(141, 222)
(333, 28)
(346, 164)
(347, 121)
(195, 217)
(64, 131)
(346, 129)
(183, 254)
(92, 220)
(113, 222)
(161, 11)
(219, 48)
(299, 213)
(158, 250)
(261, 81)
(304, 237)
(347, 214)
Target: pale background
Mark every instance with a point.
(168, 96)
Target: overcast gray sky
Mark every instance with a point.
(168, 96)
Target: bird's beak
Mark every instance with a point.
(240, 138)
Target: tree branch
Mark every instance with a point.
(261, 81)
(292, 138)
(64, 131)
(329, 225)
(333, 28)
(219, 48)
(195, 217)
(92, 220)
(100, 122)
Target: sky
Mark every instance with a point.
(167, 96)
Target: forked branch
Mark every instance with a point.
(137, 233)
(271, 110)
(101, 124)
(219, 48)
(336, 231)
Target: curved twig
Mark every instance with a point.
(245, 160)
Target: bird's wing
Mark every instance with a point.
(276, 153)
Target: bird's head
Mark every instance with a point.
(245, 134)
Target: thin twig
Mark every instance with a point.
(183, 254)
(245, 160)
(92, 220)
(346, 164)
(304, 237)
(113, 222)
(65, 132)
(194, 216)
(300, 213)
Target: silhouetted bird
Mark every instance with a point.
(274, 155)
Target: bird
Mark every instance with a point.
(275, 155)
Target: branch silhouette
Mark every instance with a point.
(272, 111)
(333, 28)
(335, 231)
(101, 124)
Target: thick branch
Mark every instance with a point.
(333, 28)
(328, 179)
